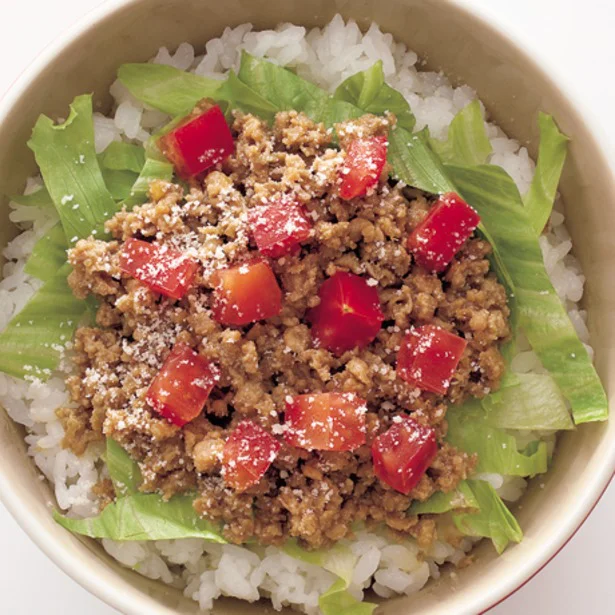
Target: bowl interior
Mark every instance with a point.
(513, 89)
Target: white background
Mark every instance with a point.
(578, 37)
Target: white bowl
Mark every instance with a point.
(513, 88)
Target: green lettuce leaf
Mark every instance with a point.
(165, 88)
(145, 517)
(467, 141)
(337, 600)
(551, 157)
(414, 162)
(153, 169)
(139, 516)
(124, 472)
(48, 254)
(66, 157)
(368, 91)
(38, 198)
(533, 402)
(241, 96)
(119, 183)
(32, 343)
(285, 91)
(468, 430)
(123, 157)
(541, 314)
(492, 520)
(440, 502)
(340, 561)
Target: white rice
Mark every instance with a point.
(205, 571)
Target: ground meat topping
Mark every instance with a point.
(315, 496)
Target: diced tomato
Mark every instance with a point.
(181, 388)
(448, 225)
(325, 421)
(428, 358)
(279, 227)
(365, 159)
(246, 293)
(402, 454)
(247, 455)
(348, 315)
(164, 270)
(198, 143)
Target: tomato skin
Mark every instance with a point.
(365, 160)
(245, 293)
(164, 270)
(279, 227)
(247, 455)
(402, 454)
(325, 421)
(198, 143)
(448, 225)
(428, 357)
(348, 315)
(181, 388)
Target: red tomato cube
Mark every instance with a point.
(181, 388)
(325, 421)
(164, 270)
(247, 455)
(428, 358)
(402, 454)
(348, 315)
(448, 225)
(365, 160)
(279, 227)
(198, 143)
(246, 293)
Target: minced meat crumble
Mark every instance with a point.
(314, 496)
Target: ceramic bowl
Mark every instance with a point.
(513, 87)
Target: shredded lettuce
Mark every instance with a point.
(285, 91)
(121, 156)
(119, 183)
(241, 96)
(139, 516)
(48, 254)
(491, 520)
(340, 561)
(415, 163)
(469, 430)
(123, 470)
(532, 402)
(66, 157)
(166, 88)
(32, 343)
(551, 157)
(152, 169)
(337, 600)
(145, 517)
(440, 502)
(368, 91)
(467, 141)
(477, 510)
(38, 198)
(541, 314)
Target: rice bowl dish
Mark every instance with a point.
(369, 558)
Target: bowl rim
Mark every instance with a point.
(68, 560)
